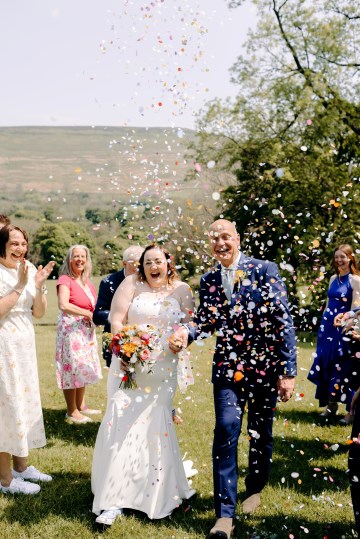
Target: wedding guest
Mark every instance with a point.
(22, 296)
(350, 322)
(137, 461)
(354, 458)
(77, 359)
(107, 289)
(332, 366)
(244, 301)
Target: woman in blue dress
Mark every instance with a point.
(332, 368)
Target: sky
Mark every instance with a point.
(116, 63)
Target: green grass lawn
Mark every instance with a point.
(307, 497)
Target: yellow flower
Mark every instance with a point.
(129, 348)
(240, 274)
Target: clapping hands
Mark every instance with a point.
(23, 275)
(43, 273)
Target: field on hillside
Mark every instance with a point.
(129, 175)
(47, 159)
(307, 496)
(62, 166)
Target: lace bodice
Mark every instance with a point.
(149, 308)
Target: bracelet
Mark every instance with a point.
(17, 291)
(43, 289)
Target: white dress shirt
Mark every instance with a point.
(228, 277)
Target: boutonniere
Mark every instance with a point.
(239, 275)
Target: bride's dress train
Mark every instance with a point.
(137, 462)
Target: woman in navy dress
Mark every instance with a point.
(332, 368)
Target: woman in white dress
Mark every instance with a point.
(22, 296)
(137, 462)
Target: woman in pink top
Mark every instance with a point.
(77, 358)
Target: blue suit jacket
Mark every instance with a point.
(255, 332)
(107, 289)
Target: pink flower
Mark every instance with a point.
(145, 337)
(76, 346)
(144, 354)
(67, 367)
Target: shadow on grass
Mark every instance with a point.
(283, 526)
(57, 427)
(69, 499)
(302, 457)
(303, 416)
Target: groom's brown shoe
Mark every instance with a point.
(223, 528)
(251, 503)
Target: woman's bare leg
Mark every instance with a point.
(5, 469)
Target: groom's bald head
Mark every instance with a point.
(224, 241)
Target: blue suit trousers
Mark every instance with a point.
(230, 401)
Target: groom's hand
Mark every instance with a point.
(285, 387)
(178, 340)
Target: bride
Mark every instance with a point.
(137, 462)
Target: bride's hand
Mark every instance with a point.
(124, 365)
(178, 340)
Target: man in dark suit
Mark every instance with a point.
(351, 326)
(354, 450)
(107, 289)
(244, 301)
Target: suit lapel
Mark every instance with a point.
(217, 281)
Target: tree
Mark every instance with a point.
(97, 215)
(291, 138)
(78, 234)
(51, 242)
(110, 257)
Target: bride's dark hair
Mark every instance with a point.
(172, 273)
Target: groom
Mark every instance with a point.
(244, 301)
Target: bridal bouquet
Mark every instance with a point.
(133, 345)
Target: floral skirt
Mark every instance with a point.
(77, 357)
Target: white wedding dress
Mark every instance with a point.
(137, 461)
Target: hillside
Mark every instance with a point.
(52, 158)
(119, 184)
